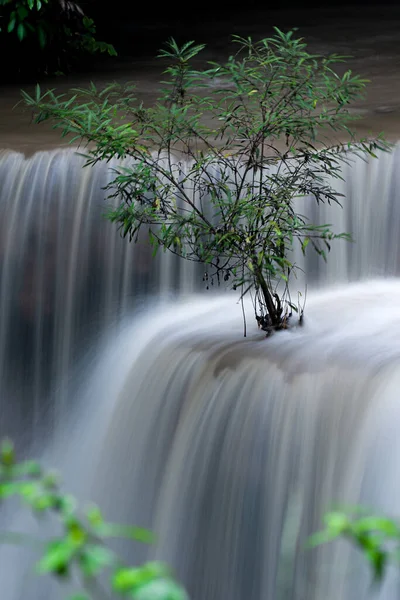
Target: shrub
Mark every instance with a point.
(220, 159)
(80, 552)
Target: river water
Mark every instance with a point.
(371, 35)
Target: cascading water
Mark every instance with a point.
(66, 276)
(231, 449)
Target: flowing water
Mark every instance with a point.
(67, 276)
(230, 448)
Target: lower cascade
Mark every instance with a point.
(231, 449)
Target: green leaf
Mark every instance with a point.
(9, 489)
(160, 589)
(94, 516)
(7, 453)
(133, 578)
(138, 534)
(377, 524)
(11, 24)
(304, 244)
(22, 12)
(21, 31)
(321, 537)
(94, 558)
(58, 557)
(337, 522)
(42, 37)
(67, 505)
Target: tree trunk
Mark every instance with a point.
(268, 298)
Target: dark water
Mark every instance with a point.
(371, 35)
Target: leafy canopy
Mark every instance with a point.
(214, 168)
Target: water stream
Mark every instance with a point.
(229, 448)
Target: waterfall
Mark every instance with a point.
(230, 448)
(66, 276)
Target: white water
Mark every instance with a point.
(227, 443)
(66, 277)
(230, 449)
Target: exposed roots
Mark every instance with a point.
(286, 322)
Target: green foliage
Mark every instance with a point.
(377, 537)
(80, 551)
(52, 26)
(221, 158)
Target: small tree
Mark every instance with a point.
(221, 157)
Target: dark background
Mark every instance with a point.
(135, 27)
(139, 29)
